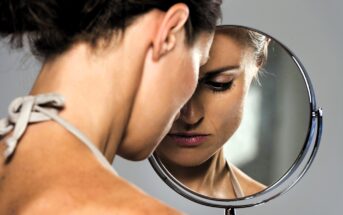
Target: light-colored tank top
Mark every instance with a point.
(235, 183)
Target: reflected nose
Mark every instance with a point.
(192, 113)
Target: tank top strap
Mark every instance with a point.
(39, 108)
(235, 183)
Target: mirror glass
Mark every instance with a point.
(247, 121)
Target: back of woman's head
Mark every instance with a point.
(52, 26)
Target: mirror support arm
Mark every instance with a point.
(230, 211)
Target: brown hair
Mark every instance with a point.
(52, 26)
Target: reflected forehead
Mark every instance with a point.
(225, 52)
(225, 45)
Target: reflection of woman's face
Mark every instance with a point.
(214, 112)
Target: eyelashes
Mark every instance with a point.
(216, 84)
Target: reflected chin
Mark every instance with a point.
(181, 160)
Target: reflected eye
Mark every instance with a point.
(218, 86)
(217, 82)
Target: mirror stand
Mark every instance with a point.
(230, 211)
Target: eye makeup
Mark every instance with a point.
(220, 80)
(218, 86)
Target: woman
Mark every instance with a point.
(101, 61)
(192, 150)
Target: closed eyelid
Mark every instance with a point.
(226, 69)
(222, 78)
(228, 72)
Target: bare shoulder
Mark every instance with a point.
(135, 201)
(249, 185)
(115, 197)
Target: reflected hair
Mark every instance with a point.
(52, 26)
(251, 39)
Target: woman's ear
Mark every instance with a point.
(172, 23)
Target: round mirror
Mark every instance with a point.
(250, 130)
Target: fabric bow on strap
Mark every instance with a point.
(39, 108)
(25, 110)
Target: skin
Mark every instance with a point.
(52, 172)
(215, 111)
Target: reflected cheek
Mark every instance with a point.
(225, 120)
(231, 123)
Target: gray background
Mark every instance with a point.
(313, 31)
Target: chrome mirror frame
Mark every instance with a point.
(286, 182)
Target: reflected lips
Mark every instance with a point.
(188, 139)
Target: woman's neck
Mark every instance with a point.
(209, 178)
(99, 85)
(99, 89)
